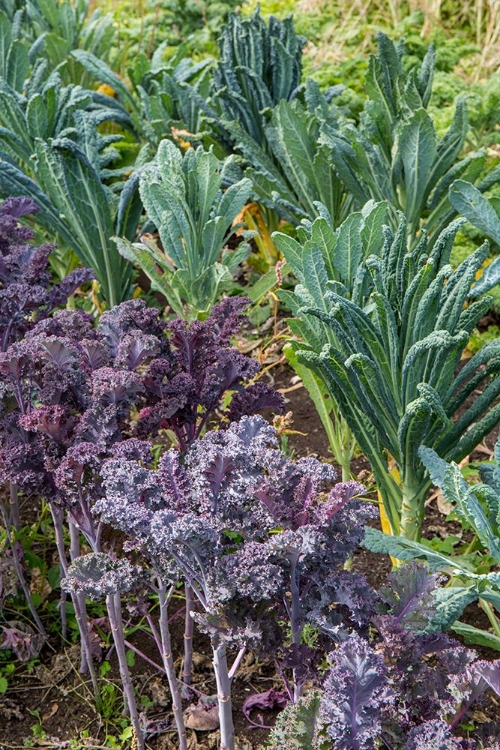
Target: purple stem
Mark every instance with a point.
(62, 611)
(461, 712)
(74, 552)
(236, 663)
(80, 619)
(154, 632)
(19, 572)
(188, 637)
(286, 682)
(14, 507)
(113, 604)
(224, 697)
(295, 623)
(168, 663)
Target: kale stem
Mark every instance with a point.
(188, 637)
(74, 552)
(236, 663)
(224, 697)
(295, 621)
(14, 507)
(19, 569)
(168, 663)
(487, 608)
(143, 656)
(113, 605)
(80, 619)
(154, 631)
(286, 682)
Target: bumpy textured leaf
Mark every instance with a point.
(183, 197)
(468, 506)
(418, 152)
(451, 602)
(259, 66)
(397, 328)
(409, 596)
(405, 549)
(355, 691)
(296, 727)
(472, 204)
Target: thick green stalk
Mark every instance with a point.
(412, 510)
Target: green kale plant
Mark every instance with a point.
(195, 218)
(165, 96)
(322, 257)
(383, 329)
(260, 65)
(58, 27)
(15, 55)
(395, 154)
(52, 151)
(298, 171)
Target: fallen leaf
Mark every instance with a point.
(269, 700)
(158, 689)
(202, 716)
(52, 712)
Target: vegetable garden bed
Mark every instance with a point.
(250, 379)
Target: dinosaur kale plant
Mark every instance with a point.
(195, 218)
(168, 99)
(395, 154)
(52, 151)
(298, 171)
(56, 28)
(260, 65)
(322, 255)
(384, 328)
(16, 55)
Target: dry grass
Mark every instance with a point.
(480, 17)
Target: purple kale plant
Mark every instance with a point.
(398, 685)
(76, 395)
(260, 540)
(73, 392)
(26, 292)
(185, 386)
(98, 575)
(27, 296)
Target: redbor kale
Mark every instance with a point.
(251, 533)
(395, 686)
(75, 395)
(26, 291)
(185, 385)
(27, 296)
(72, 392)
(356, 691)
